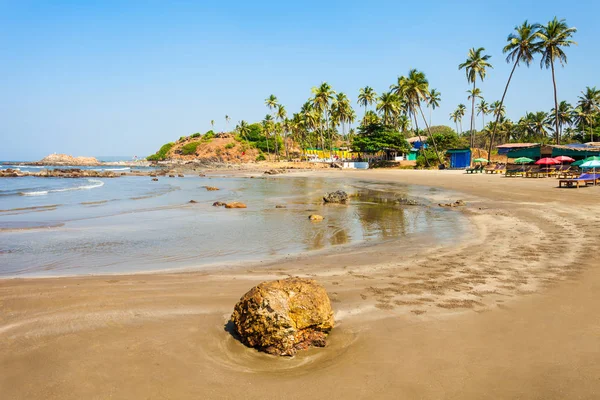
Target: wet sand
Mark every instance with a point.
(511, 311)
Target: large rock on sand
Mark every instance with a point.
(284, 316)
(336, 197)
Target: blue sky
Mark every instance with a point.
(124, 77)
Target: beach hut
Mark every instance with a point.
(459, 158)
(416, 144)
(578, 151)
(534, 151)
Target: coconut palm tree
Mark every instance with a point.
(389, 106)
(414, 88)
(455, 117)
(212, 124)
(323, 97)
(366, 97)
(475, 66)
(483, 108)
(564, 114)
(342, 111)
(433, 101)
(538, 124)
(244, 130)
(588, 107)
(267, 125)
(498, 110)
(474, 94)
(281, 115)
(521, 47)
(460, 113)
(227, 119)
(555, 36)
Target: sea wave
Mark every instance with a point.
(113, 169)
(95, 183)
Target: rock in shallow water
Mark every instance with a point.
(284, 316)
(336, 197)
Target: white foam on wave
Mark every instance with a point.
(95, 183)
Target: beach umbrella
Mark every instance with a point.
(592, 164)
(480, 160)
(547, 161)
(563, 159)
(577, 163)
(523, 160)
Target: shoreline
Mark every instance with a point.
(483, 319)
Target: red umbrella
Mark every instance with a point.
(562, 159)
(547, 161)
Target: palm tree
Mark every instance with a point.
(366, 97)
(564, 115)
(342, 111)
(522, 45)
(388, 105)
(244, 130)
(498, 110)
(460, 113)
(553, 38)
(212, 124)
(271, 103)
(474, 94)
(281, 115)
(433, 101)
(323, 96)
(227, 119)
(483, 108)
(455, 117)
(267, 124)
(475, 65)
(538, 124)
(414, 89)
(588, 107)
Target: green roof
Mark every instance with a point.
(455, 151)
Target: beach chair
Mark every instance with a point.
(474, 170)
(583, 180)
(533, 172)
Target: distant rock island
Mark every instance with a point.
(65, 159)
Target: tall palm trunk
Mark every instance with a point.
(499, 111)
(429, 133)
(555, 103)
(473, 117)
(267, 140)
(276, 147)
(285, 136)
(330, 135)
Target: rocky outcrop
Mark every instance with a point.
(59, 173)
(457, 203)
(315, 217)
(64, 159)
(407, 202)
(336, 197)
(235, 204)
(284, 316)
(274, 171)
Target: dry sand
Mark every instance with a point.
(511, 311)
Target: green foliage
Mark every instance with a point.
(429, 154)
(208, 135)
(230, 145)
(376, 137)
(261, 157)
(190, 148)
(446, 138)
(161, 154)
(195, 135)
(182, 138)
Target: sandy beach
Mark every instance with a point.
(510, 311)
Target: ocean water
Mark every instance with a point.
(59, 226)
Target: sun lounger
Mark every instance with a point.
(474, 170)
(582, 180)
(497, 169)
